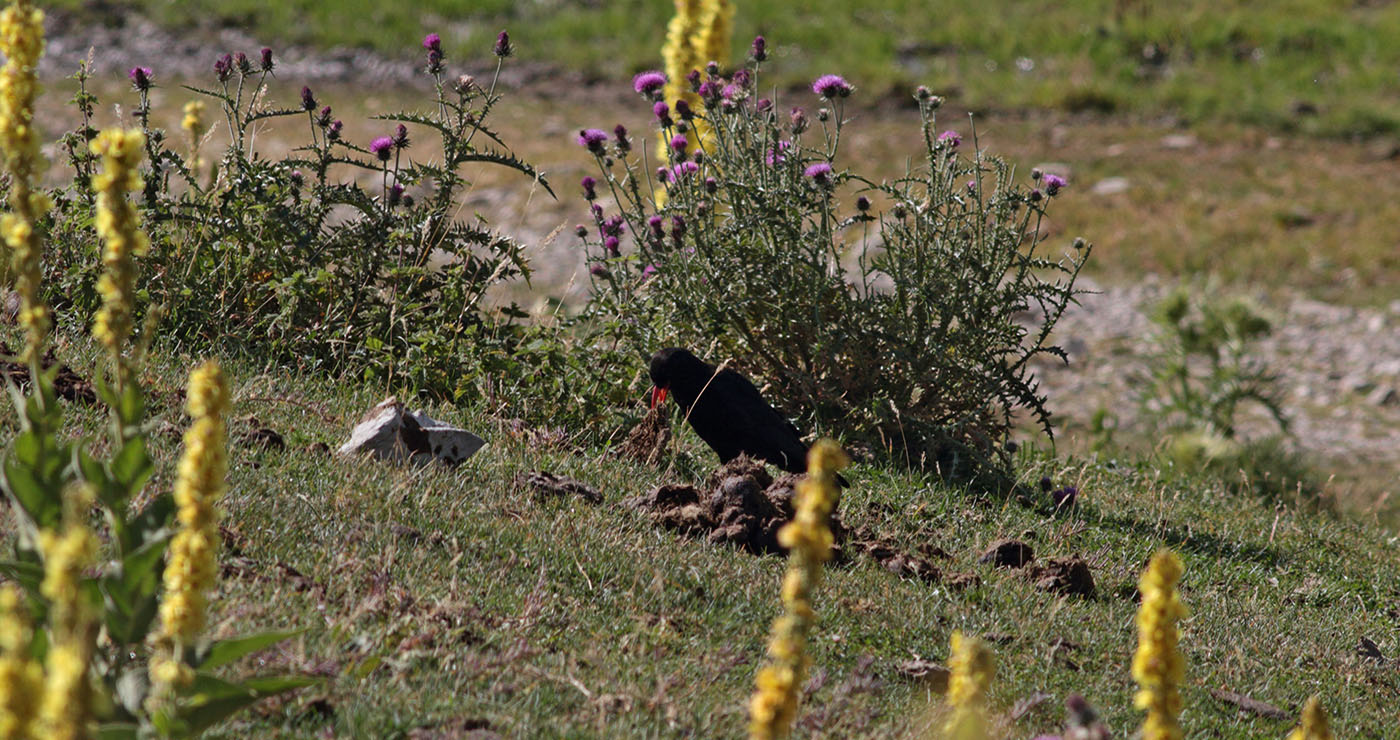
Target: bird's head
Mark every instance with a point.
(668, 366)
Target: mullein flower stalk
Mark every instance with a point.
(1159, 667)
(21, 678)
(808, 539)
(192, 560)
(119, 227)
(65, 712)
(22, 43)
(971, 670)
(194, 127)
(1313, 724)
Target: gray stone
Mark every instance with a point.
(391, 432)
(1179, 141)
(1111, 186)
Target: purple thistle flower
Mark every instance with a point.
(581, 231)
(971, 186)
(593, 139)
(240, 60)
(951, 138)
(395, 194)
(308, 101)
(401, 136)
(297, 178)
(333, 131)
(820, 172)
(323, 119)
(1053, 183)
(624, 144)
(1065, 496)
(589, 193)
(679, 143)
(862, 204)
(711, 185)
(597, 212)
(613, 226)
(742, 77)
(598, 269)
(831, 87)
(763, 105)
(657, 226)
(683, 169)
(799, 120)
(266, 59)
(663, 174)
(649, 270)
(677, 227)
(710, 92)
(649, 83)
(693, 79)
(140, 78)
(759, 50)
(223, 67)
(432, 42)
(683, 110)
(662, 113)
(503, 48)
(613, 245)
(382, 147)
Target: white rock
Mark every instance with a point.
(1111, 186)
(1178, 141)
(390, 432)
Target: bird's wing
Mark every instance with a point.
(758, 428)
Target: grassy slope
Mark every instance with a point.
(1240, 61)
(436, 596)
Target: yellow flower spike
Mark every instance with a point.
(1158, 666)
(21, 678)
(716, 28)
(22, 43)
(971, 669)
(773, 706)
(192, 560)
(119, 226)
(66, 708)
(1313, 725)
(194, 125)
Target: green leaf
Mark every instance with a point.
(132, 466)
(224, 652)
(212, 699)
(27, 575)
(118, 731)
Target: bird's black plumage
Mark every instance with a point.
(726, 410)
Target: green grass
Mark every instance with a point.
(1314, 66)
(431, 596)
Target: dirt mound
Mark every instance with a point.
(736, 508)
(647, 441)
(67, 384)
(1007, 554)
(742, 504)
(1070, 576)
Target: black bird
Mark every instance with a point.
(726, 410)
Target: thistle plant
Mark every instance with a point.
(1313, 724)
(297, 259)
(1158, 666)
(893, 309)
(808, 539)
(971, 669)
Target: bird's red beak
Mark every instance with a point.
(658, 396)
